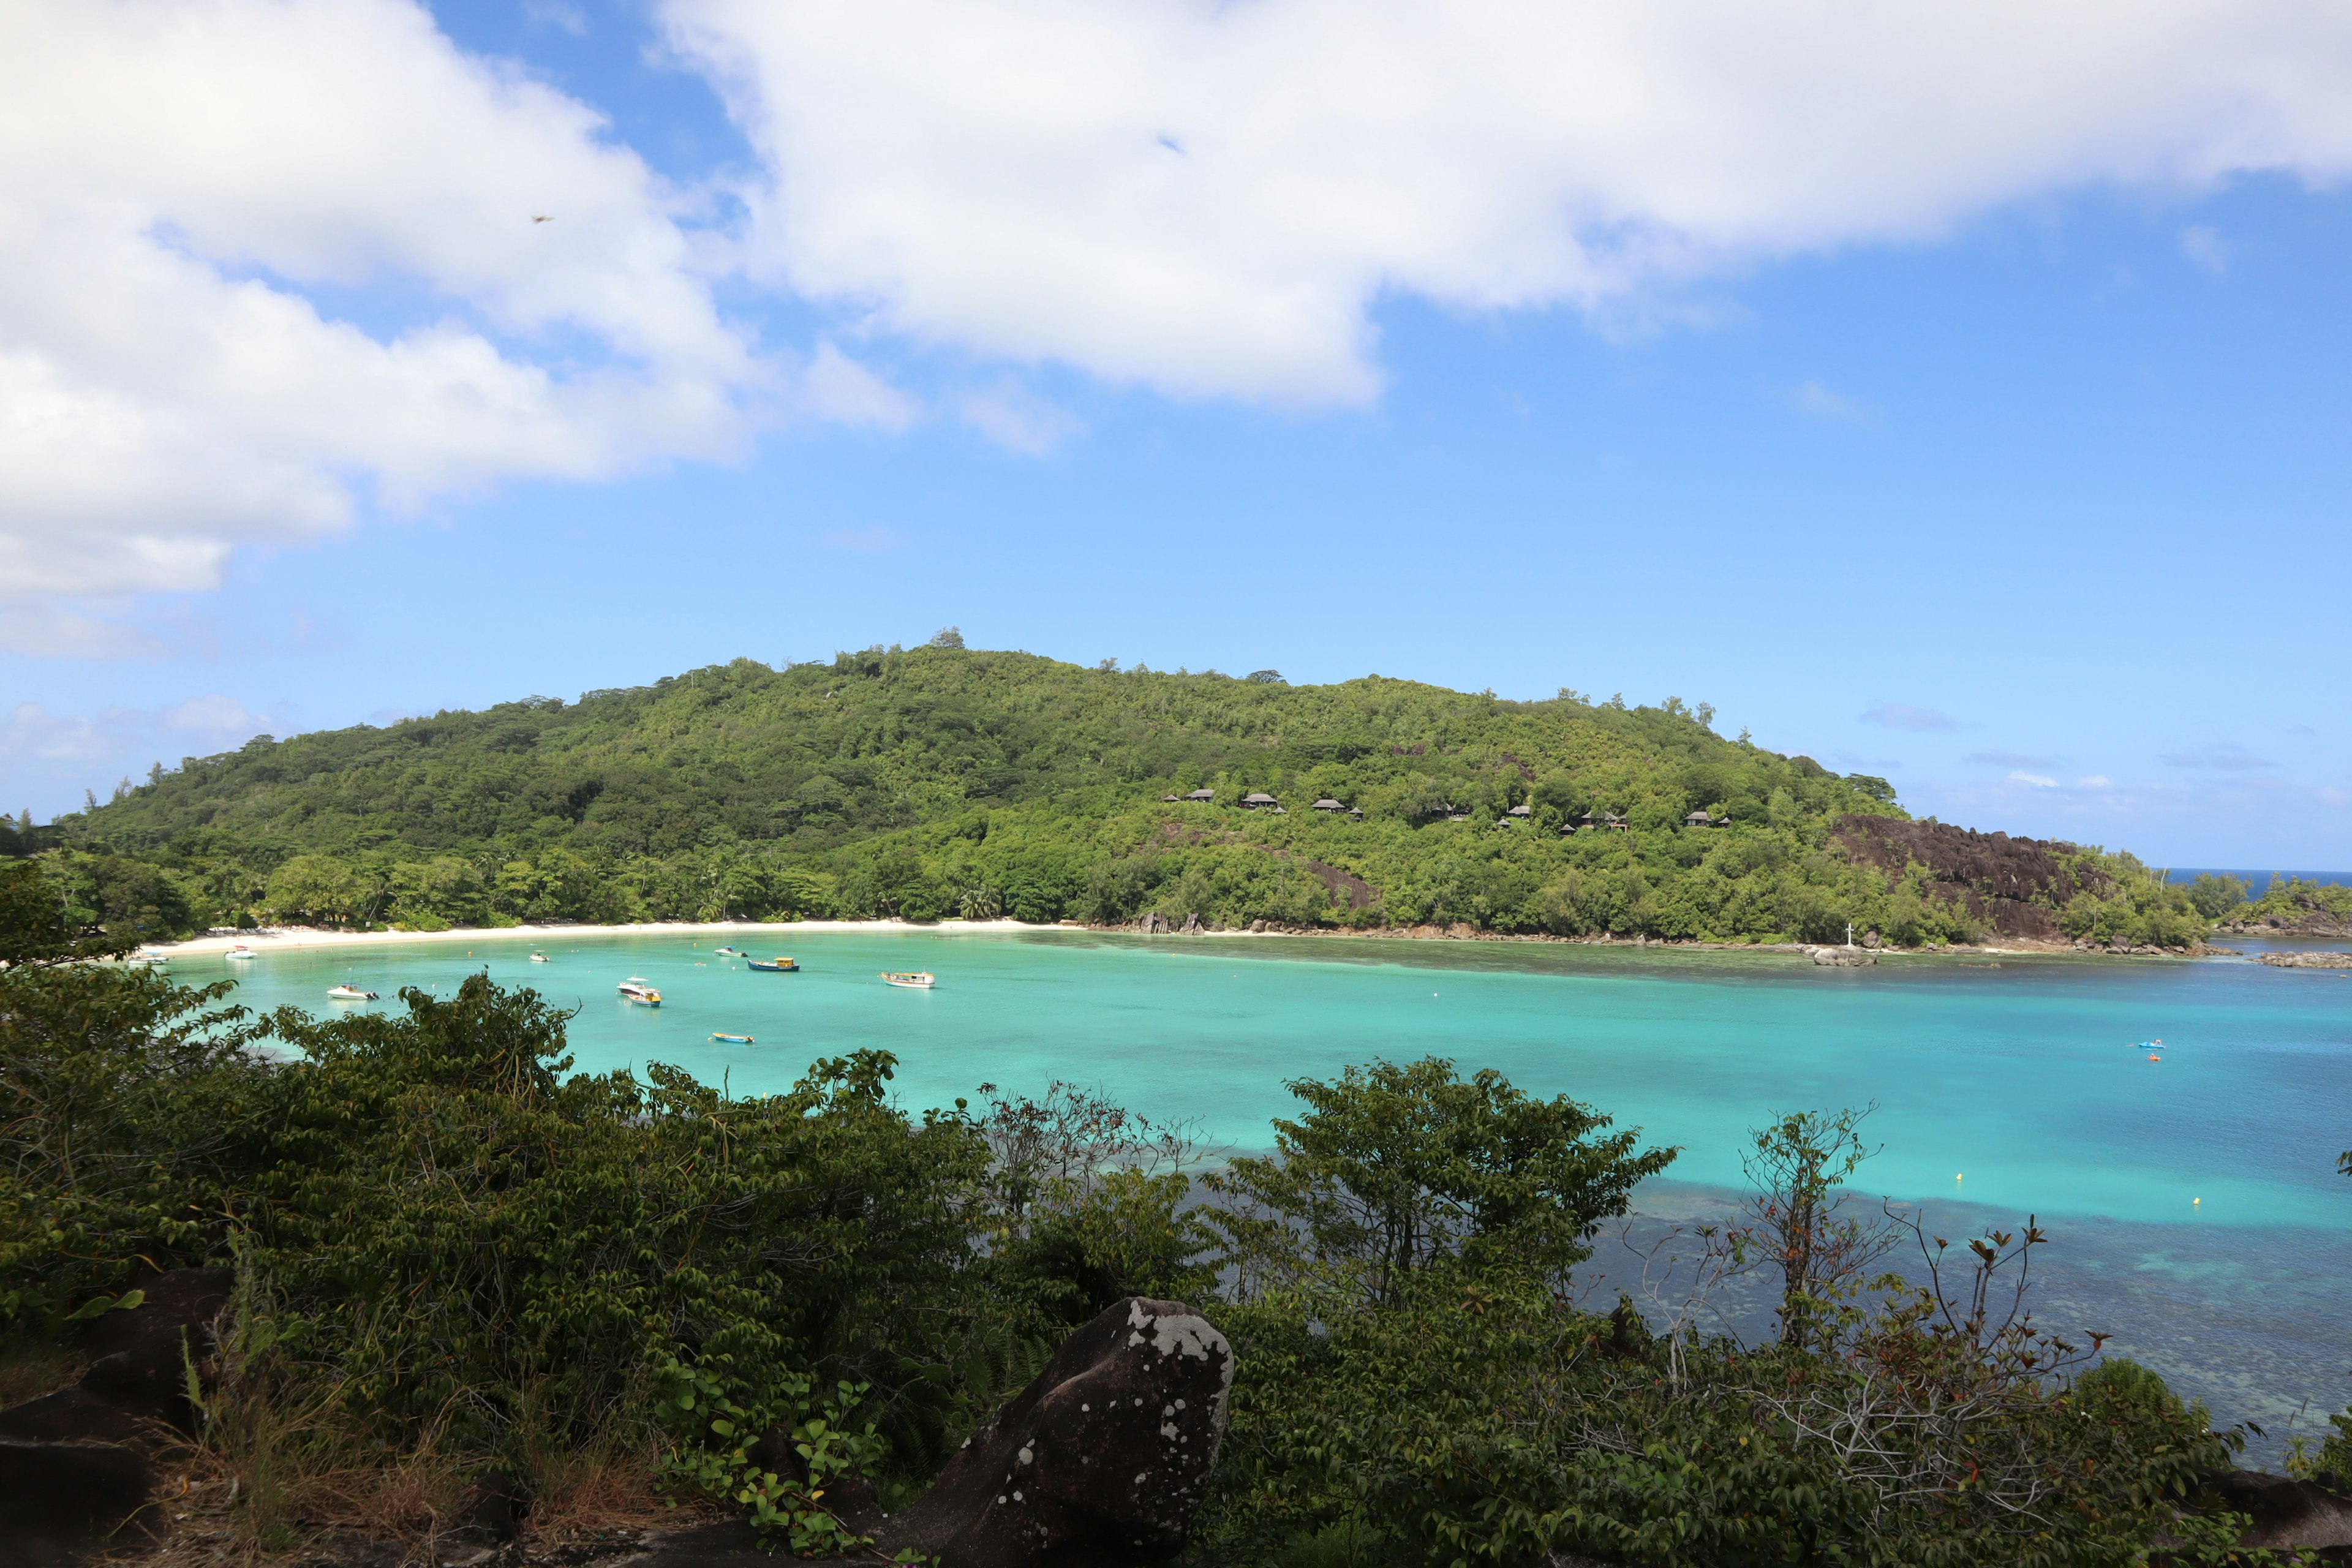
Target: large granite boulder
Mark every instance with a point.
(75, 1473)
(1099, 1462)
(2287, 1516)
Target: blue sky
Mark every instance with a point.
(2017, 480)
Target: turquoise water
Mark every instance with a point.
(2193, 1201)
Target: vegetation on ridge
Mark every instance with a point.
(455, 1260)
(940, 781)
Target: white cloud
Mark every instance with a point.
(181, 184)
(2039, 780)
(557, 14)
(1814, 401)
(1208, 199)
(2227, 755)
(2205, 247)
(1904, 716)
(1014, 418)
(2095, 781)
(213, 715)
(837, 387)
(265, 263)
(123, 739)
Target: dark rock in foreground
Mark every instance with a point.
(1102, 1459)
(74, 1476)
(1099, 1463)
(2288, 1515)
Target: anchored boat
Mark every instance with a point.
(779, 965)
(349, 993)
(640, 991)
(731, 1039)
(540, 958)
(728, 951)
(920, 979)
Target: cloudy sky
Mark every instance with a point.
(1957, 394)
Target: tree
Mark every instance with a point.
(1798, 1221)
(947, 637)
(2216, 896)
(320, 888)
(1396, 1169)
(35, 928)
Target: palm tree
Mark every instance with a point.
(979, 902)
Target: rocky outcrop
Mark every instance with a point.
(1099, 1463)
(75, 1471)
(1841, 957)
(1101, 1460)
(2014, 886)
(2306, 959)
(2288, 1516)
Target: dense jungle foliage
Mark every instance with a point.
(945, 782)
(457, 1258)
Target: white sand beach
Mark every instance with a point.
(280, 939)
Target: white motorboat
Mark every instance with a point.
(540, 958)
(241, 951)
(641, 991)
(349, 993)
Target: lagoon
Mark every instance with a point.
(2193, 1203)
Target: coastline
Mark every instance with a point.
(276, 939)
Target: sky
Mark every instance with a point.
(1954, 394)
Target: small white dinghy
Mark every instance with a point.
(349, 993)
(241, 951)
(540, 958)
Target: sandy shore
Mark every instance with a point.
(766, 934)
(279, 939)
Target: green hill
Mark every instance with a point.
(942, 781)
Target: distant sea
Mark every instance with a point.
(2192, 1203)
(2257, 882)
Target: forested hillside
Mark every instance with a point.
(940, 781)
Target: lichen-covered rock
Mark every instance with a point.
(1101, 1461)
